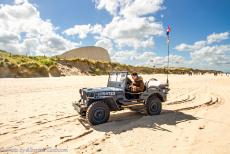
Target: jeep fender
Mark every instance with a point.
(110, 101)
(145, 96)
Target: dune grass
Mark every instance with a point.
(94, 67)
(21, 59)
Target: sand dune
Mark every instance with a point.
(88, 52)
(36, 114)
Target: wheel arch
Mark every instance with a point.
(110, 101)
(156, 95)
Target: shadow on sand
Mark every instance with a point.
(125, 121)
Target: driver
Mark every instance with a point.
(137, 84)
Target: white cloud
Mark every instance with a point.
(81, 30)
(130, 27)
(147, 59)
(9, 41)
(23, 31)
(212, 55)
(105, 43)
(133, 56)
(129, 7)
(208, 54)
(123, 56)
(110, 5)
(211, 39)
(149, 43)
(96, 29)
(185, 47)
(174, 61)
(217, 37)
(132, 32)
(8, 37)
(142, 7)
(56, 43)
(31, 44)
(20, 1)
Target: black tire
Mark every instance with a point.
(83, 114)
(153, 105)
(98, 113)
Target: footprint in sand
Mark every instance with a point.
(19, 122)
(32, 117)
(4, 133)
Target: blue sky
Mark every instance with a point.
(133, 31)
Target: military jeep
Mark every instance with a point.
(96, 103)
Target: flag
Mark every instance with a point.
(167, 33)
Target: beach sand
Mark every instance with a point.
(37, 114)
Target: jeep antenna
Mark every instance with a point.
(167, 33)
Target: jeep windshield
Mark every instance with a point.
(117, 79)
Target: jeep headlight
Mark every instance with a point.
(90, 94)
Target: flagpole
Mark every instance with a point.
(168, 61)
(168, 40)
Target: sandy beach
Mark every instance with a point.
(37, 114)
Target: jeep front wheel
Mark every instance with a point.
(98, 113)
(153, 105)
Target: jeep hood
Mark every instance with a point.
(102, 89)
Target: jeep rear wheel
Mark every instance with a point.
(98, 113)
(153, 105)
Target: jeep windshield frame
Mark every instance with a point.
(117, 80)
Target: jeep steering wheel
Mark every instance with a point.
(128, 83)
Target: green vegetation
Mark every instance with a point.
(20, 59)
(24, 66)
(41, 66)
(103, 68)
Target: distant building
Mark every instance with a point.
(89, 52)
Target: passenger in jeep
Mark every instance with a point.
(137, 84)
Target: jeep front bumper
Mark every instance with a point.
(80, 107)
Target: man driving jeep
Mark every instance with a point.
(137, 84)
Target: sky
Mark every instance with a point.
(133, 31)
